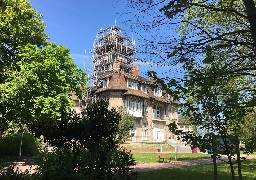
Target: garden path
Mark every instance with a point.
(145, 167)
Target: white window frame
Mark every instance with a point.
(144, 134)
(134, 106)
(132, 84)
(143, 88)
(158, 91)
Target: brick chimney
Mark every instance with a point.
(135, 70)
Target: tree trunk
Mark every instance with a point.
(215, 170)
(239, 168)
(231, 167)
(251, 13)
(22, 133)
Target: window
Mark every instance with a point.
(156, 112)
(144, 88)
(144, 134)
(105, 83)
(134, 106)
(131, 84)
(158, 91)
(165, 111)
(145, 125)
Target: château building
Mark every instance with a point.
(117, 80)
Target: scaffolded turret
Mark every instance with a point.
(112, 50)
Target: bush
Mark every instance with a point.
(10, 145)
(64, 164)
(85, 146)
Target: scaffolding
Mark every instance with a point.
(111, 45)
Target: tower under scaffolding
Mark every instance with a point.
(112, 50)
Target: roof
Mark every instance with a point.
(109, 89)
(161, 99)
(138, 78)
(136, 93)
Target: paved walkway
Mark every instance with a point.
(173, 164)
(145, 167)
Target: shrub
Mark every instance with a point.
(10, 145)
(86, 146)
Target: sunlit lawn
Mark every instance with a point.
(201, 172)
(150, 146)
(152, 157)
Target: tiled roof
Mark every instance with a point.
(138, 78)
(136, 93)
(161, 99)
(109, 89)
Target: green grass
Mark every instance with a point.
(149, 146)
(201, 172)
(152, 157)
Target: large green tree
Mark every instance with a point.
(189, 27)
(20, 25)
(215, 90)
(213, 102)
(36, 76)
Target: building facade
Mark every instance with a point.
(117, 80)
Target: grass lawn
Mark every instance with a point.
(150, 146)
(201, 172)
(152, 157)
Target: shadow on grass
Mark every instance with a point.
(201, 172)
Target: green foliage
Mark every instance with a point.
(36, 76)
(10, 144)
(248, 132)
(124, 126)
(20, 25)
(212, 101)
(85, 146)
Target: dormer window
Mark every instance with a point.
(144, 88)
(158, 91)
(132, 84)
(105, 83)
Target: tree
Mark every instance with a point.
(41, 86)
(248, 132)
(36, 76)
(173, 31)
(215, 91)
(213, 102)
(85, 146)
(20, 25)
(124, 126)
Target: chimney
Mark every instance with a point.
(135, 70)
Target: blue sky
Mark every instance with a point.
(75, 24)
